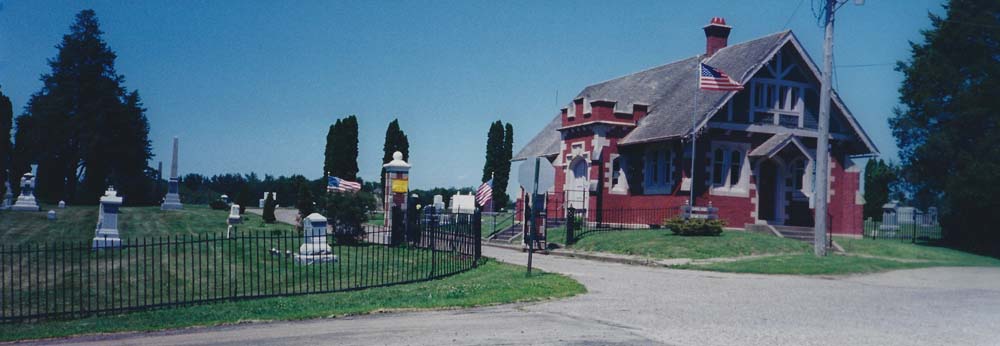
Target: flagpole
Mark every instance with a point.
(694, 134)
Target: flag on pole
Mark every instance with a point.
(715, 79)
(334, 184)
(485, 193)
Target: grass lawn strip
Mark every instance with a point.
(491, 284)
(663, 244)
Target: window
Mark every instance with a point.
(718, 165)
(777, 102)
(735, 167)
(798, 174)
(728, 174)
(619, 181)
(657, 170)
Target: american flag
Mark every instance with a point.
(485, 193)
(714, 79)
(335, 184)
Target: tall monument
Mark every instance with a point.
(26, 201)
(172, 201)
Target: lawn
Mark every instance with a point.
(496, 222)
(663, 244)
(863, 256)
(492, 283)
(205, 266)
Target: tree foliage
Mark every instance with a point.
(948, 126)
(347, 212)
(499, 151)
(83, 128)
(305, 201)
(880, 178)
(6, 124)
(341, 156)
(268, 214)
(395, 140)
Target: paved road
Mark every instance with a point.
(632, 305)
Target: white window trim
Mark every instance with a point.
(741, 189)
(808, 179)
(651, 185)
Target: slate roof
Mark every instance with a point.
(672, 94)
(668, 90)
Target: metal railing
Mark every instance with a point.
(71, 279)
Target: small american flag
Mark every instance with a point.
(485, 193)
(714, 79)
(335, 184)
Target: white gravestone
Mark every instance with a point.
(172, 201)
(51, 215)
(438, 202)
(107, 222)
(8, 197)
(224, 198)
(233, 219)
(314, 249)
(26, 200)
(463, 204)
(62, 204)
(260, 202)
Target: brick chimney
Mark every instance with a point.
(716, 35)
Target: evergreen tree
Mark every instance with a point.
(330, 160)
(879, 178)
(304, 203)
(342, 149)
(494, 148)
(244, 197)
(948, 126)
(395, 140)
(95, 132)
(268, 214)
(502, 175)
(6, 124)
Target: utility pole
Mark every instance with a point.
(823, 140)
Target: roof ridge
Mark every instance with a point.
(783, 32)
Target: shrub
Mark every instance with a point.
(268, 214)
(695, 227)
(347, 212)
(218, 205)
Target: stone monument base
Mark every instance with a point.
(109, 241)
(172, 202)
(25, 204)
(314, 259)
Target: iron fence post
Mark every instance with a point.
(477, 232)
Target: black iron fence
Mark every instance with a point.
(68, 280)
(913, 229)
(580, 222)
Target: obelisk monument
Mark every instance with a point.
(172, 201)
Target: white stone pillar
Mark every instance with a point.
(314, 248)
(107, 224)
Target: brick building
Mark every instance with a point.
(626, 142)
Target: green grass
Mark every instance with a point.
(77, 223)
(499, 222)
(863, 256)
(492, 283)
(376, 219)
(662, 244)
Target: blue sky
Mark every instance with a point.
(254, 85)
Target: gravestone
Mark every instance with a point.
(233, 219)
(173, 199)
(8, 197)
(314, 248)
(26, 200)
(260, 202)
(463, 204)
(62, 204)
(225, 199)
(438, 202)
(51, 215)
(107, 221)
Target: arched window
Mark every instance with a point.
(735, 167)
(719, 167)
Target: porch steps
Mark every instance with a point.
(506, 235)
(805, 234)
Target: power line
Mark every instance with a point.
(796, 10)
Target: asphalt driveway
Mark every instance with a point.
(633, 305)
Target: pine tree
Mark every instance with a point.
(494, 147)
(330, 159)
(305, 201)
(502, 175)
(395, 140)
(95, 131)
(948, 127)
(6, 123)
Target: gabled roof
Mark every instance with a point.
(772, 146)
(672, 93)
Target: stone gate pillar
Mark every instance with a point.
(397, 185)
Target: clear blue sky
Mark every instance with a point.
(254, 85)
